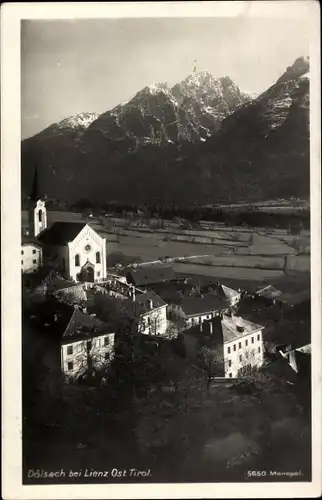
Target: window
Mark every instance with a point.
(98, 343)
(229, 363)
(240, 358)
(107, 356)
(228, 350)
(230, 375)
(40, 215)
(208, 317)
(239, 345)
(69, 349)
(22, 262)
(252, 340)
(70, 365)
(34, 261)
(234, 347)
(259, 349)
(258, 337)
(34, 251)
(77, 262)
(246, 342)
(98, 274)
(106, 341)
(21, 252)
(98, 258)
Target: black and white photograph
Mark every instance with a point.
(167, 250)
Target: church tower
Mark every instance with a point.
(40, 218)
(38, 211)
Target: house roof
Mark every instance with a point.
(144, 276)
(61, 233)
(56, 282)
(81, 326)
(29, 240)
(269, 292)
(230, 293)
(141, 304)
(235, 327)
(292, 333)
(203, 304)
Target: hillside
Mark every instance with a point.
(202, 141)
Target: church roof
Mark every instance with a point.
(61, 233)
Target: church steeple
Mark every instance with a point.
(37, 212)
(34, 195)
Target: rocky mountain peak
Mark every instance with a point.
(74, 123)
(299, 68)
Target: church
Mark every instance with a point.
(74, 249)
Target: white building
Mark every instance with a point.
(243, 345)
(86, 343)
(196, 309)
(31, 255)
(151, 311)
(72, 248)
(231, 345)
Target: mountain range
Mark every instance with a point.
(203, 140)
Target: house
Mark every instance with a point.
(85, 342)
(232, 296)
(151, 311)
(31, 255)
(195, 309)
(234, 345)
(145, 276)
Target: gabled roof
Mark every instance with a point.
(144, 276)
(203, 304)
(235, 327)
(61, 233)
(141, 304)
(230, 293)
(81, 326)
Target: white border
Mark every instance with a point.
(11, 14)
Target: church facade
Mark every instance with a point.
(72, 248)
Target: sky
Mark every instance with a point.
(91, 65)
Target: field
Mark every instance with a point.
(232, 252)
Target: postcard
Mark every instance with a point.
(161, 250)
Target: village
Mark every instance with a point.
(157, 330)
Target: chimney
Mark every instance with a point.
(150, 304)
(211, 325)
